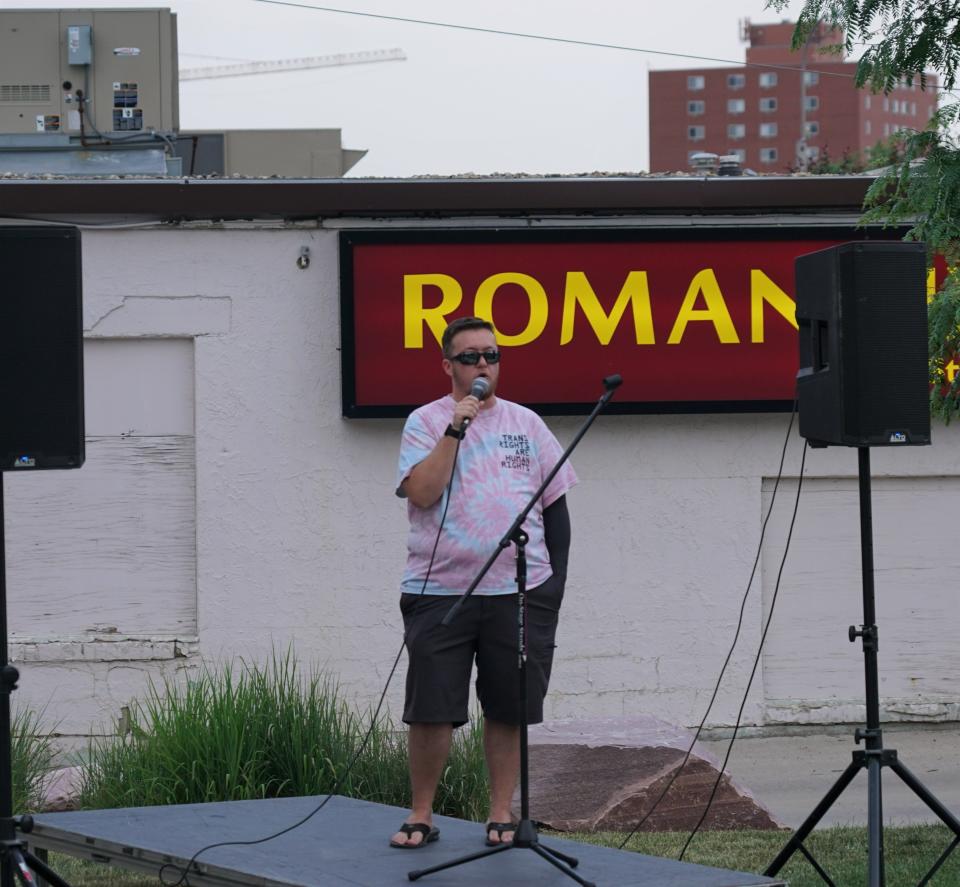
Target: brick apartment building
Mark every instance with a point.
(781, 111)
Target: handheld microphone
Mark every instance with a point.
(480, 389)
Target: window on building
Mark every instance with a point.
(696, 133)
(769, 104)
(811, 78)
(768, 79)
(867, 127)
(768, 130)
(736, 81)
(736, 130)
(811, 102)
(886, 130)
(811, 127)
(768, 155)
(695, 81)
(736, 106)
(895, 106)
(813, 152)
(886, 104)
(866, 102)
(739, 153)
(697, 107)
(913, 108)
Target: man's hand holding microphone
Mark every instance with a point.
(468, 409)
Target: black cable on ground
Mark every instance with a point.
(756, 661)
(185, 871)
(736, 636)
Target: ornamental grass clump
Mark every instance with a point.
(244, 731)
(31, 761)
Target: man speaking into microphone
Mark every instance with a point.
(503, 451)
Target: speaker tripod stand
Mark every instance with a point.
(873, 757)
(16, 862)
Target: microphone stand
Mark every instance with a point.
(525, 836)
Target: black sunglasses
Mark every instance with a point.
(472, 358)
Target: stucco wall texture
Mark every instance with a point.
(300, 540)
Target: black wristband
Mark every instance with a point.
(452, 432)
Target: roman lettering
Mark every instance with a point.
(416, 314)
(635, 292)
(763, 291)
(536, 296)
(704, 283)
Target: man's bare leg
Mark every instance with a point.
(501, 745)
(428, 746)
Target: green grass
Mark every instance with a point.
(247, 731)
(78, 873)
(910, 851)
(31, 760)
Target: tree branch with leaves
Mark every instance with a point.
(904, 40)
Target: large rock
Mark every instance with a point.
(62, 790)
(605, 774)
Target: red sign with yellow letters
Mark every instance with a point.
(694, 320)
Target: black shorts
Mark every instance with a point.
(440, 658)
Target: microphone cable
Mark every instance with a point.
(756, 661)
(736, 637)
(182, 880)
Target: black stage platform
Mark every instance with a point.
(344, 845)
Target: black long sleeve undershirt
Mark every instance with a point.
(556, 533)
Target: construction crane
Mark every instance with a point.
(244, 69)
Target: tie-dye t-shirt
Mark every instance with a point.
(504, 457)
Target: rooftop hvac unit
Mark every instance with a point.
(106, 74)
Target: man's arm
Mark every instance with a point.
(428, 479)
(556, 534)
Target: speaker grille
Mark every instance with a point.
(41, 349)
(889, 295)
(862, 315)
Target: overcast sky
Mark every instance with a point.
(461, 102)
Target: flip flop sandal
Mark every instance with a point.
(499, 828)
(430, 834)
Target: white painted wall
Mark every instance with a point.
(226, 506)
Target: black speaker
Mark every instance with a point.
(862, 313)
(41, 349)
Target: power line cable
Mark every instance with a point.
(570, 41)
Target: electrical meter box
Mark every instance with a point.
(88, 71)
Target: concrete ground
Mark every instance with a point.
(790, 773)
